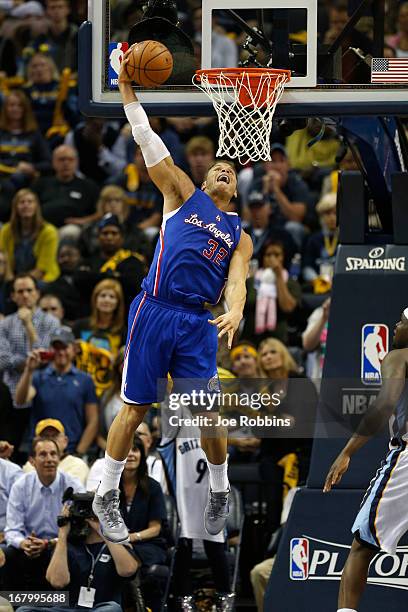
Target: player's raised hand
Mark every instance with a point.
(339, 467)
(123, 75)
(227, 324)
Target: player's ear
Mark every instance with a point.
(235, 194)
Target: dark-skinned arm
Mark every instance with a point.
(393, 373)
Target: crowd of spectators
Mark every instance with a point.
(79, 219)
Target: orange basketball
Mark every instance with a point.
(150, 63)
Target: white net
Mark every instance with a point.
(245, 111)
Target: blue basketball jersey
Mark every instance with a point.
(193, 253)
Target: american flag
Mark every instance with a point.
(392, 70)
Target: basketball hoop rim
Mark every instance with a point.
(235, 74)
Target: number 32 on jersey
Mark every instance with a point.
(214, 253)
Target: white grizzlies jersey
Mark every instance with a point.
(192, 488)
(188, 474)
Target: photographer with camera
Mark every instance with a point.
(89, 567)
(61, 391)
(31, 521)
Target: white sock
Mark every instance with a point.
(346, 610)
(218, 476)
(112, 471)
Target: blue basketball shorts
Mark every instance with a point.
(383, 518)
(166, 338)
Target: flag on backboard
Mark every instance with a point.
(389, 70)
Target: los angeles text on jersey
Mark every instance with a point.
(211, 227)
(221, 421)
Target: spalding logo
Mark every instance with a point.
(375, 262)
(377, 252)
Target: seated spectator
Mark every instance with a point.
(76, 404)
(298, 401)
(112, 260)
(143, 197)
(69, 259)
(143, 509)
(24, 153)
(29, 241)
(319, 255)
(287, 193)
(200, 155)
(99, 145)
(44, 90)
(101, 335)
(60, 36)
(70, 464)
(262, 228)
(66, 198)
(31, 522)
(9, 472)
(243, 446)
(314, 340)
(113, 199)
(52, 304)
(29, 328)
(399, 41)
(272, 296)
(154, 460)
(75, 563)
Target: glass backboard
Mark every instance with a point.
(339, 57)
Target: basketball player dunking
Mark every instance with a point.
(382, 519)
(201, 249)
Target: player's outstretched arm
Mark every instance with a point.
(174, 184)
(235, 289)
(393, 372)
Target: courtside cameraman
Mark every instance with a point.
(85, 564)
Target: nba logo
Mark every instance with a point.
(374, 347)
(299, 559)
(116, 53)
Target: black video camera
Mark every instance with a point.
(79, 510)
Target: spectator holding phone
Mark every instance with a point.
(27, 329)
(60, 391)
